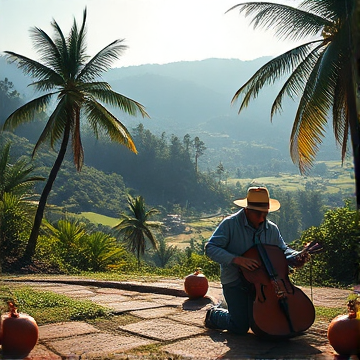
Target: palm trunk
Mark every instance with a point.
(355, 136)
(31, 245)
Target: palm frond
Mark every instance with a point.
(149, 235)
(332, 10)
(77, 47)
(59, 115)
(33, 68)
(102, 61)
(288, 22)
(98, 115)
(47, 49)
(4, 160)
(61, 44)
(108, 96)
(26, 112)
(270, 72)
(48, 84)
(340, 116)
(294, 85)
(315, 104)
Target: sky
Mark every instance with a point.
(155, 31)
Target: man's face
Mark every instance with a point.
(256, 217)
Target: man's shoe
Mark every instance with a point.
(208, 323)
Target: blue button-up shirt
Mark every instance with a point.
(234, 236)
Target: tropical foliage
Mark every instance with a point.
(16, 208)
(65, 73)
(137, 227)
(79, 248)
(320, 74)
(339, 263)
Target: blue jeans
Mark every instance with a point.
(239, 301)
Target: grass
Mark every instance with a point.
(48, 307)
(327, 314)
(100, 219)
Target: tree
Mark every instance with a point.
(220, 171)
(321, 72)
(200, 147)
(9, 98)
(64, 73)
(164, 253)
(338, 263)
(137, 227)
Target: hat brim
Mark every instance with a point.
(273, 205)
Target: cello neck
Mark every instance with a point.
(266, 261)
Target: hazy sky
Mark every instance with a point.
(155, 31)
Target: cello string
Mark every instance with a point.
(311, 288)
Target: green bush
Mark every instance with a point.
(338, 264)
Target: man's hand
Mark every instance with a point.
(246, 263)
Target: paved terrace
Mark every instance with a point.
(166, 318)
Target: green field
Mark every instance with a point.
(338, 178)
(100, 219)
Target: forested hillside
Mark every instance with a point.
(189, 104)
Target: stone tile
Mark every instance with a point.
(119, 307)
(154, 313)
(65, 329)
(94, 345)
(40, 352)
(168, 300)
(189, 317)
(162, 329)
(82, 293)
(112, 291)
(103, 299)
(220, 345)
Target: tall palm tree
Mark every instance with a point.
(65, 73)
(321, 74)
(137, 227)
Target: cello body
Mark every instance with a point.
(280, 309)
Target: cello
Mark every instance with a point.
(280, 309)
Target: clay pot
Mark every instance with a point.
(19, 334)
(344, 334)
(196, 285)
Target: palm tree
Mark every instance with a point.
(102, 252)
(15, 178)
(321, 73)
(64, 73)
(136, 227)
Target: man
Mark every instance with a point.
(235, 235)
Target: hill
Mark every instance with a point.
(195, 98)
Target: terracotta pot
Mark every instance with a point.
(19, 334)
(344, 334)
(196, 285)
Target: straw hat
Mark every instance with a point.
(258, 199)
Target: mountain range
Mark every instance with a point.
(195, 98)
